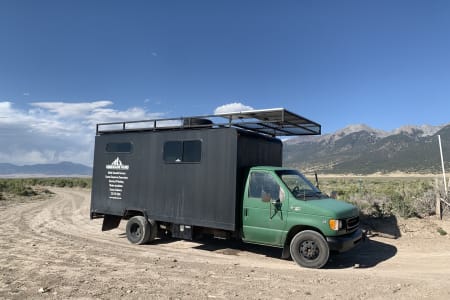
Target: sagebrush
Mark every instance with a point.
(378, 197)
(24, 186)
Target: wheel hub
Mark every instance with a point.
(309, 250)
(136, 230)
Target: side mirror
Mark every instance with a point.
(276, 205)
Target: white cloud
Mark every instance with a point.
(51, 132)
(5, 107)
(64, 109)
(232, 108)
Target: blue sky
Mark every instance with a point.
(65, 65)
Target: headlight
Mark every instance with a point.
(335, 224)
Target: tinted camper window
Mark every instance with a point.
(183, 151)
(192, 151)
(173, 151)
(119, 147)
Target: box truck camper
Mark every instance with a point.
(217, 175)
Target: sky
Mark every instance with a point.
(67, 65)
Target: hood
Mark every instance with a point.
(330, 208)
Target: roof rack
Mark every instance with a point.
(272, 122)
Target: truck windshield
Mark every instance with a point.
(299, 186)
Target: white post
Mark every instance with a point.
(438, 199)
(443, 169)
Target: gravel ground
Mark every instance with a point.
(50, 249)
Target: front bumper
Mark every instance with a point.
(345, 242)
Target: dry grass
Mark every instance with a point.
(385, 196)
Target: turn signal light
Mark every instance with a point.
(335, 224)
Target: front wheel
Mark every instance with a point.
(140, 231)
(309, 249)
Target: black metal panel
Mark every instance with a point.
(257, 150)
(254, 150)
(206, 193)
(201, 194)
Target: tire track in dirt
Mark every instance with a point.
(67, 218)
(53, 244)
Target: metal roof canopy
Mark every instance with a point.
(272, 122)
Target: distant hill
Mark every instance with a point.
(359, 149)
(58, 169)
(356, 149)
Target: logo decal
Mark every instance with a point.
(117, 165)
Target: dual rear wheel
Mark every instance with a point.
(140, 230)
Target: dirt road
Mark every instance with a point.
(50, 249)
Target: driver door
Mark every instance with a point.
(264, 209)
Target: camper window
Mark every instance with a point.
(192, 151)
(119, 147)
(182, 151)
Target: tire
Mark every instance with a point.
(309, 249)
(140, 231)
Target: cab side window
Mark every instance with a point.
(264, 187)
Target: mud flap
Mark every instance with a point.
(286, 254)
(110, 222)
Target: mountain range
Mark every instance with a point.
(359, 149)
(58, 169)
(355, 149)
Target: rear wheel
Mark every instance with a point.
(140, 231)
(309, 249)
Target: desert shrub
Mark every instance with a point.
(46, 191)
(402, 205)
(24, 186)
(426, 205)
(382, 197)
(25, 191)
(60, 182)
(16, 187)
(441, 231)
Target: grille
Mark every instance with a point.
(352, 223)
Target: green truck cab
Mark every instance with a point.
(282, 208)
(200, 176)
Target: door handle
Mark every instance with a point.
(245, 212)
